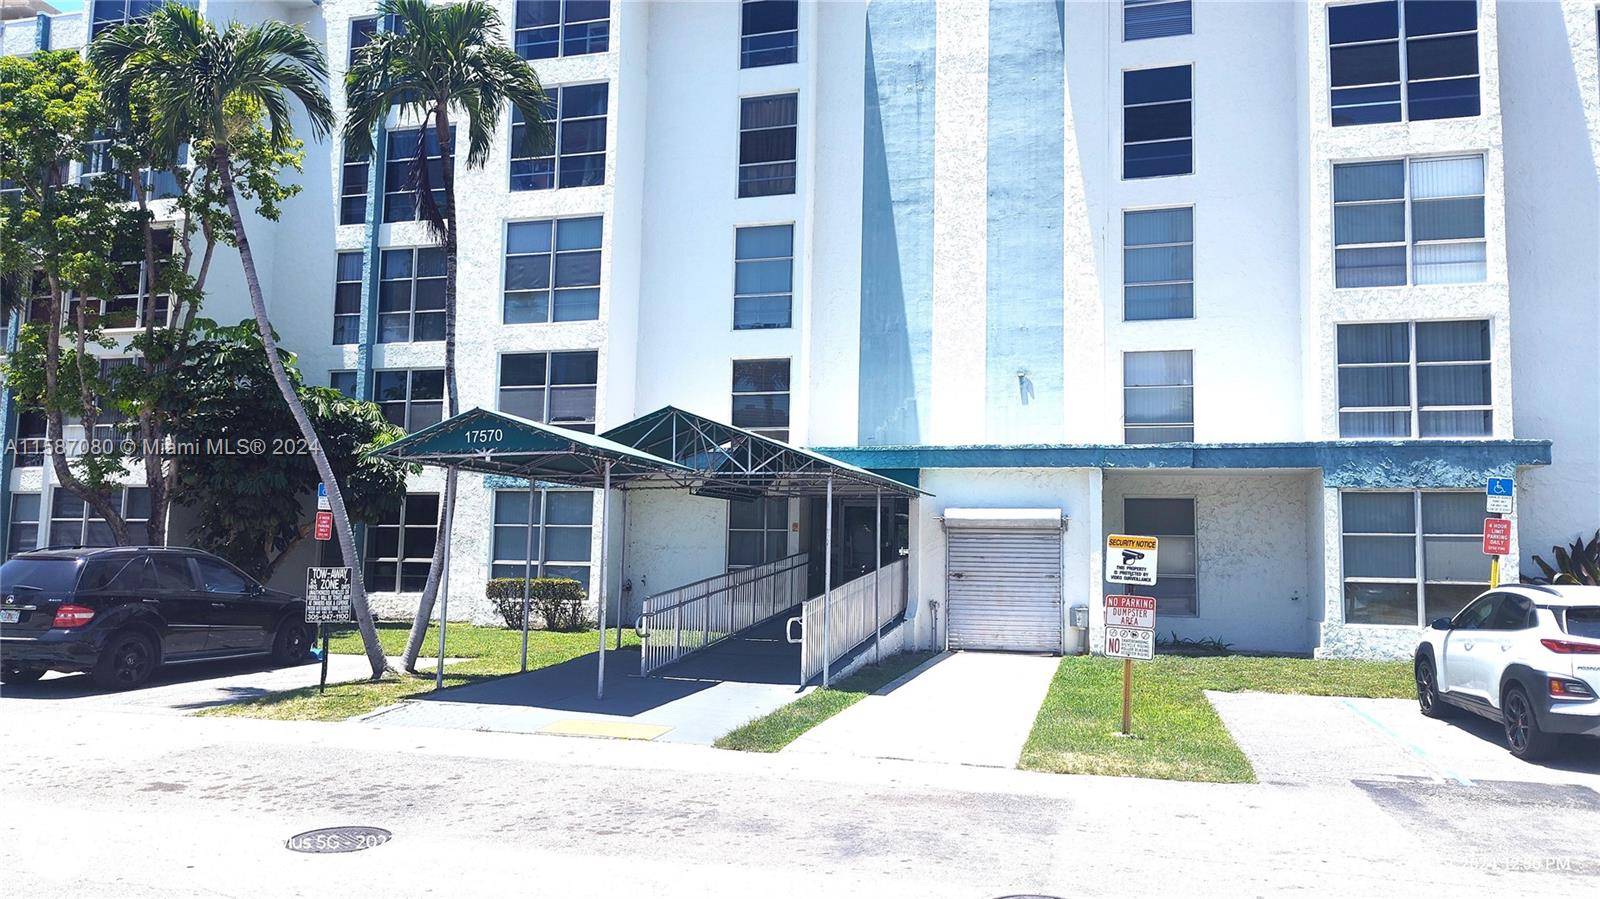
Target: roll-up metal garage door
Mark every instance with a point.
(1003, 579)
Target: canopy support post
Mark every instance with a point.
(444, 605)
(827, 585)
(527, 577)
(877, 577)
(605, 538)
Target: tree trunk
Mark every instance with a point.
(447, 508)
(341, 518)
(55, 425)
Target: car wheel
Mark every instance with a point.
(292, 642)
(11, 674)
(1428, 699)
(1526, 740)
(127, 661)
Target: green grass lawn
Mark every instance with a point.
(489, 652)
(780, 727)
(1177, 734)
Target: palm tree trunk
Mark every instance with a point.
(447, 509)
(341, 518)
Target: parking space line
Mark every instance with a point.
(1416, 750)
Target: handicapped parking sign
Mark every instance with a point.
(1500, 493)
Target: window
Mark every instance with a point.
(550, 28)
(1384, 553)
(130, 308)
(353, 187)
(758, 531)
(24, 523)
(769, 33)
(399, 188)
(347, 299)
(344, 382)
(1142, 19)
(561, 533)
(108, 431)
(763, 275)
(1158, 397)
(1157, 122)
(97, 161)
(216, 577)
(411, 399)
(29, 447)
(1158, 264)
(75, 523)
(411, 295)
(553, 279)
(1439, 68)
(767, 136)
(1405, 379)
(761, 396)
(361, 31)
(109, 14)
(1172, 521)
(400, 545)
(578, 159)
(1373, 212)
(553, 388)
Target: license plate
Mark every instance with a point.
(9, 616)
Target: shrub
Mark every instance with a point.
(1577, 564)
(556, 603)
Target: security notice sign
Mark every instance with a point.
(1131, 611)
(1130, 559)
(328, 595)
(1130, 643)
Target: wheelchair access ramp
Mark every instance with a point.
(680, 622)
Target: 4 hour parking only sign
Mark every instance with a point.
(1130, 559)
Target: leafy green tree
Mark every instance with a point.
(440, 65)
(218, 89)
(61, 239)
(250, 505)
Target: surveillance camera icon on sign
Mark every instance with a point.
(1130, 556)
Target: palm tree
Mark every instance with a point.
(213, 88)
(437, 62)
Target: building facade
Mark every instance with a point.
(1281, 283)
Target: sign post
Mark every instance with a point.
(327, 602)
(1130, 621)
(1502, 496)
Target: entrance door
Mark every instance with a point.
(1003, 587)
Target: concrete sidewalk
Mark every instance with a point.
(187, 688)
(969, 708)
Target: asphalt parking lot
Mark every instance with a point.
(1305, 739)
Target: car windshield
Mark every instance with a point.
(1583, 622)
(38, 575)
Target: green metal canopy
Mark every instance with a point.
(497, 443)
(732, 463)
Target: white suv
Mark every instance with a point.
(1524, 655)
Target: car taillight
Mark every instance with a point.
(1568, 647)
(72, 616)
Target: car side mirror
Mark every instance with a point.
(1440, 624)
(257, 589)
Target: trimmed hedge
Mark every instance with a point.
(555, 602)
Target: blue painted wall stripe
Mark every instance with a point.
(1027, 112)
(897, 224)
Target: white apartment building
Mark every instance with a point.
(1281, 283)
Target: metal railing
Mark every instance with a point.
(689, 618)
(857, 610)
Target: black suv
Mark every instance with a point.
(119, 612)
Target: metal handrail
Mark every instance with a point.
(673, 625)
(856, 611)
